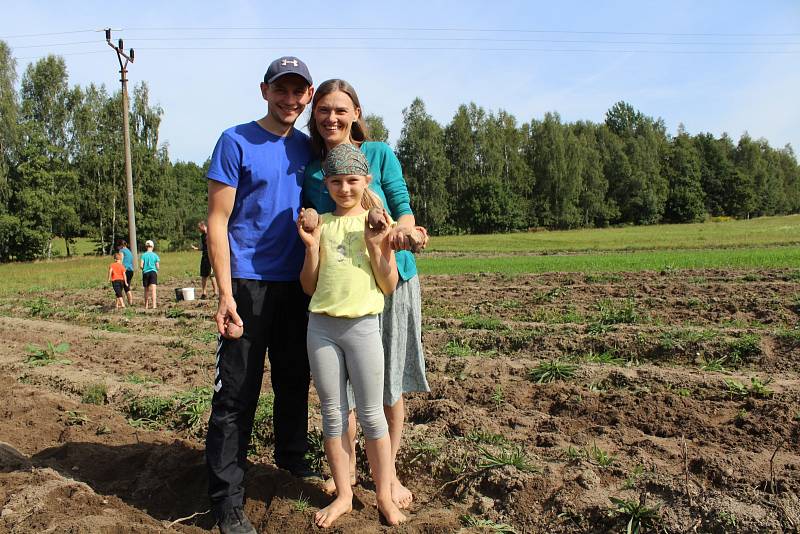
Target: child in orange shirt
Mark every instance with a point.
(116, 275)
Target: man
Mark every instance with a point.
(254, 196)
(205, 262)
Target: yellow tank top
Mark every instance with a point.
(346, 286)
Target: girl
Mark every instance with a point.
(348, 268)
(337, 118)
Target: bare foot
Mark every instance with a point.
(329, 486)
(340, 506)
(401, 495)
(391, 512)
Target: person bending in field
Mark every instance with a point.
(116, 275)
(150, 264)
(348, 268)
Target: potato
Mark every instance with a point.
(233, 331)
(376, 219)
(310, 219)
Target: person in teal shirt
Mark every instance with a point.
(149, 263)
(127, 262)
(336, 118)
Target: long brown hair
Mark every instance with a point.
(359, 131)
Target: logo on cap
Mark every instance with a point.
(285, 62)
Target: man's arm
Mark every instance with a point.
(220, 204)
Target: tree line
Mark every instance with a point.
(62, 166)
(62, 169)
(484, 173)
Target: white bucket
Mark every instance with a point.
(188, 293)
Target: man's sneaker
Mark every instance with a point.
(235, 522)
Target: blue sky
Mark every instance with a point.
(679, 60)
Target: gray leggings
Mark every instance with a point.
(339, 349)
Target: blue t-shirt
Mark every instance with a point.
(267, 172)
(387, 182)
(149, 260)
(127, 258)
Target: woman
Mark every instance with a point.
(336, 118)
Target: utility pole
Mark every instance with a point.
(123, 70)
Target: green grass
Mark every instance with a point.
(756, 258)
(88, 272)
(763, 231)
(772, 243)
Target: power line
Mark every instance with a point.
(45, 34)
(482, 30)
(433, 39)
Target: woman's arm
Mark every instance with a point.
(381, 256)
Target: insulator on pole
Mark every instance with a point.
(108, 34)
(120, 45)
(131, 54)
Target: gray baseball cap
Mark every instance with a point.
(287, 65)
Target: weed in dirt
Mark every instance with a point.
(175, 313)
(743, 348)
(75, 418)
(111, 327)
(479, 322)
(103, 430)
(698, 280)
(95, 394)
(301, 504)
(608, 357)
(206, 337)
(515, 457)
(714, 364)
(727, 520)
(425, 451)
(484, 436)
(741, 416)
(40, 307)
(615, 312)
(188, 353)
(192, 406)
(135, 378)
(498, 398)
(790, 337)
(597, 387)
(602, 278)
(759, 389)
(793, 276)
(39, 356)
(524, 338)
(458, 348)
(734, 388)
(551, 371)
(148, 412)
(315, 456)
(550, 295)
(596, 328)
(470, 521)
(573, 453)
(599, 456)
(639, 516)
(752, 277)
(633, 477)
(509, 304)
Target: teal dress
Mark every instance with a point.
(401, 320)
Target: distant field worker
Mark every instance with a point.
(205, 263)
(116, 275)
(127, 261)
(150, 264)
